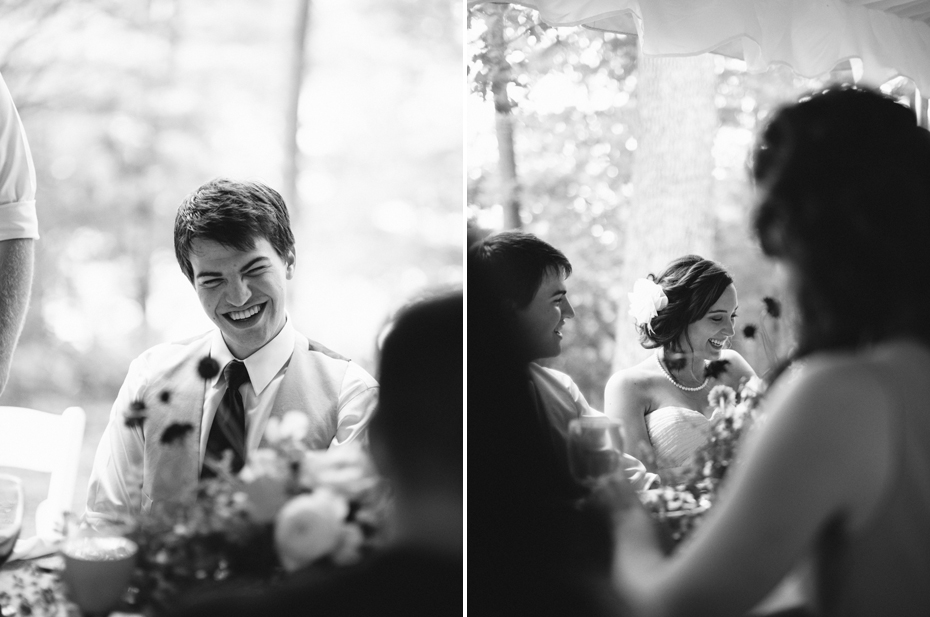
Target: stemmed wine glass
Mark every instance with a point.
(11, 514)
(594, 448)
(99, 562)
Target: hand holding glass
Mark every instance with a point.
(594, 448)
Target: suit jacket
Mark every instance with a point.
(313, 381)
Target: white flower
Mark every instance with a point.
(346, 469)
(310, 526)
(753, 388)
(293, 425)
(721, 397)
(262, 463)
(646, 300)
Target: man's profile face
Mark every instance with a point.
(540, 322)
(242, 292)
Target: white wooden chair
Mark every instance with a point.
(46, 442)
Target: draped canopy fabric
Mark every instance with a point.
(882, 38)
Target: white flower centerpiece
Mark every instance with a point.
(289, 508)
(679, 504)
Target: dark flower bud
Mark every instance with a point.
(176, 432)
(208, 368)
(133, 421)
(749, 331)
(772, 306)
(716, 368)
(135, 415)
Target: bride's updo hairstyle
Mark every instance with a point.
(844, 184)
(692, 285)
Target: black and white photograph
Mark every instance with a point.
(698, 352)
(231, 307)
(545, 308)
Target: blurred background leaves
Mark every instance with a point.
(131, 104)
(562, 105)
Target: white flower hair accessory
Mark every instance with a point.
(646, 300)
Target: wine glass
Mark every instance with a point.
(99, 561)
(594, 448)
(11, 514)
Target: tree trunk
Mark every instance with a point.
(503, 113)
(670, 214)
(292, 117)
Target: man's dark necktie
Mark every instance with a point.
(228, 429)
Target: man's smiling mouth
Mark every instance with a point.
(248, 315)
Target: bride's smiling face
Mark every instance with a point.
(710, 334)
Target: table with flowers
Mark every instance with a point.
(289, 508)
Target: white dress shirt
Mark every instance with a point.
(119, 463)
(266, 368)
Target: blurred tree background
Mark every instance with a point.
(352, 110)
(554, 129)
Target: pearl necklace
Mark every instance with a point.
(668, 376)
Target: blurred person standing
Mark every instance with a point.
(18, 228)
(415, 438)
(838, 475)
(234, 243)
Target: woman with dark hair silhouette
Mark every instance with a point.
(839, 472)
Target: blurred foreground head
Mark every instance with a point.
(416, 432)
(844, 203)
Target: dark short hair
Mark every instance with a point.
(418, 420)
(844, 184)
(515, 264)
(692, 285)
(233, 214)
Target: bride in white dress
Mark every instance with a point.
(687, 315)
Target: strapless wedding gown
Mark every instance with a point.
(676, 434)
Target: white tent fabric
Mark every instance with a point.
(882, 38)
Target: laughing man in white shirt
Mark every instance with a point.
(234, 243)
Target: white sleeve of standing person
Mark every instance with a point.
(17, 175)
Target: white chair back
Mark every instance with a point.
(45, 442)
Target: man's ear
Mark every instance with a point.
(290, 262)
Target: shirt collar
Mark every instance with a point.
(262, 365)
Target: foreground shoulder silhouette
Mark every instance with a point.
(838, 472)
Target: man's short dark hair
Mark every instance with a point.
(418, 421)
(233, 214)
(516, 262)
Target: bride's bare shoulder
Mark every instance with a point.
(637, 378)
